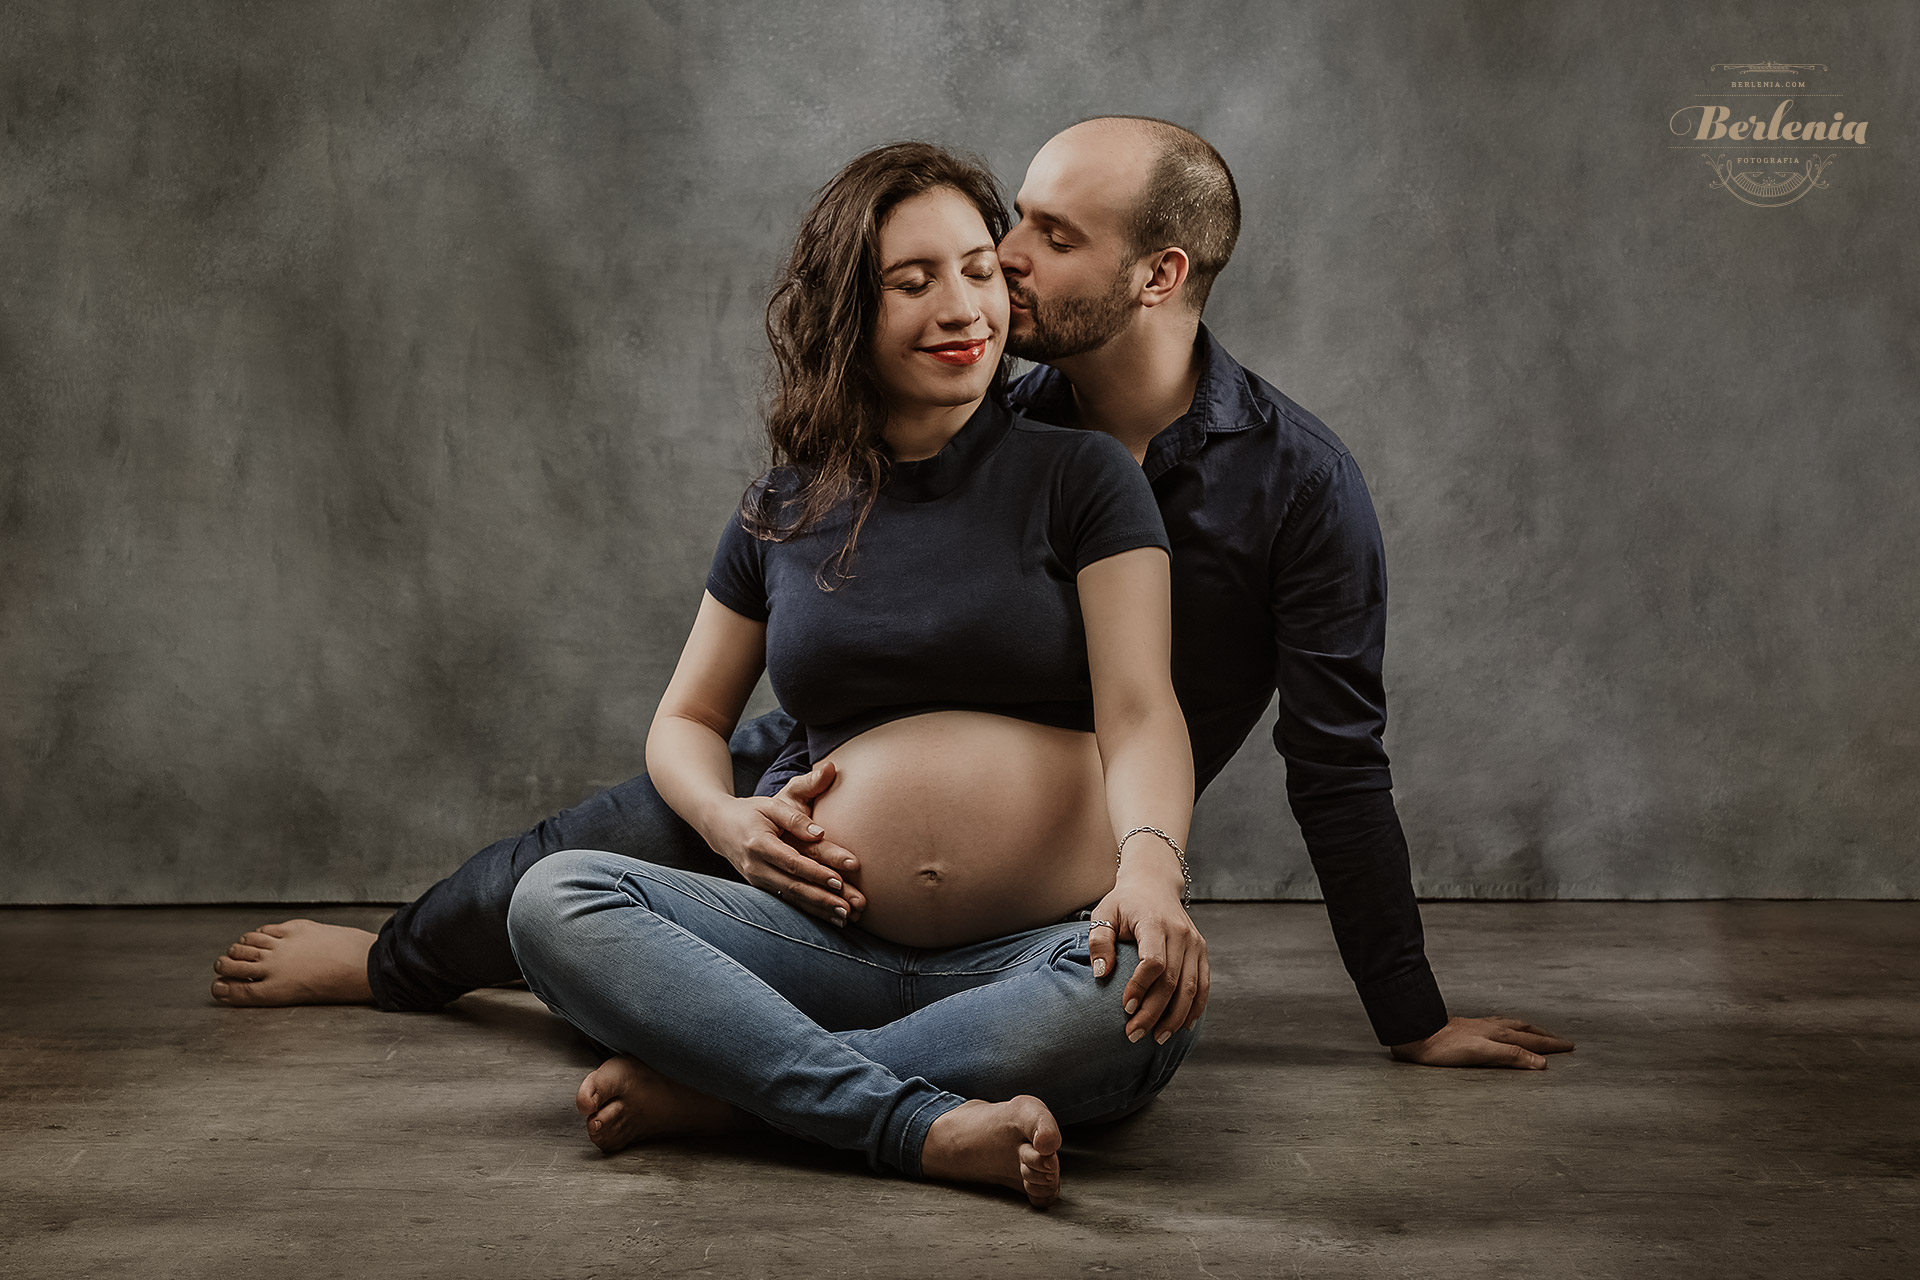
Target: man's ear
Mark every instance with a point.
(1168, 271)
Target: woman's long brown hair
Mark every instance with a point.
(827, 410)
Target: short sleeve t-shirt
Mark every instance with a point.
(962, 590)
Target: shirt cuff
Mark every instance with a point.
(1406, 1008)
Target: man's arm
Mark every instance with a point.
(1330, 612)
(787, 761)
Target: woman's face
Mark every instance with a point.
(943, 303)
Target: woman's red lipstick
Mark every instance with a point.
(961, 353)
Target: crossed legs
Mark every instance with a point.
(835, 1035)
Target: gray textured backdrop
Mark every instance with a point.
(375, 379)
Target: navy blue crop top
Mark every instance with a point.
(962, 594)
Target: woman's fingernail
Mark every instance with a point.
(815, 831)
(1162, 1037)
(1136, 1034)
(1100, 967)
(840, 911)
(833, 882)
(1132, 1006)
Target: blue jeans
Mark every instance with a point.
(828, 1033)
(453, 937)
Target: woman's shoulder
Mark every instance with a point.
(773, 509)
(1042, 431)
(1064, 440)
(771, 490)
(1072, 447)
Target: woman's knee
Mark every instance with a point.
(1096, 1002)
(1153, 1078)
(540, 898)
(1117, 1076)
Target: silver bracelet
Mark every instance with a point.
(1186, 891)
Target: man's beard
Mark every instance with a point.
(1073, 326)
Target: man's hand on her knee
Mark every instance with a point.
(1484, 1042)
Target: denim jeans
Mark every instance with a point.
(453, 937)
(826, 1032)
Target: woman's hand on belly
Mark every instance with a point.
(775, 844)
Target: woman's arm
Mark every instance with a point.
(688, 761)
(1126, 601)
(687, 755)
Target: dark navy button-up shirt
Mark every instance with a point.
(1279, 583)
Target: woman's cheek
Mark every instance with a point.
(997, 307)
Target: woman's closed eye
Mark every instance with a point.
(913, 288)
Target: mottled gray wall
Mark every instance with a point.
(374, 379)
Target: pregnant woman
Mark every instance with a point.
(970, 614)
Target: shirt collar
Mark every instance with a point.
(924, 479)
(1222, 401)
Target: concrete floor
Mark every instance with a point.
(1744, 1102)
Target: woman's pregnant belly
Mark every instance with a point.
(969, 825)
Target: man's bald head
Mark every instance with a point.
(1185, 198)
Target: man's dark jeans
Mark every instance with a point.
(453, 937)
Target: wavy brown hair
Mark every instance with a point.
(827, 410)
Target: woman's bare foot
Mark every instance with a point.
(295, 962)
(626, 1101)
(1014, 1143)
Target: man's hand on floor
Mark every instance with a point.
(1484, 1042)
